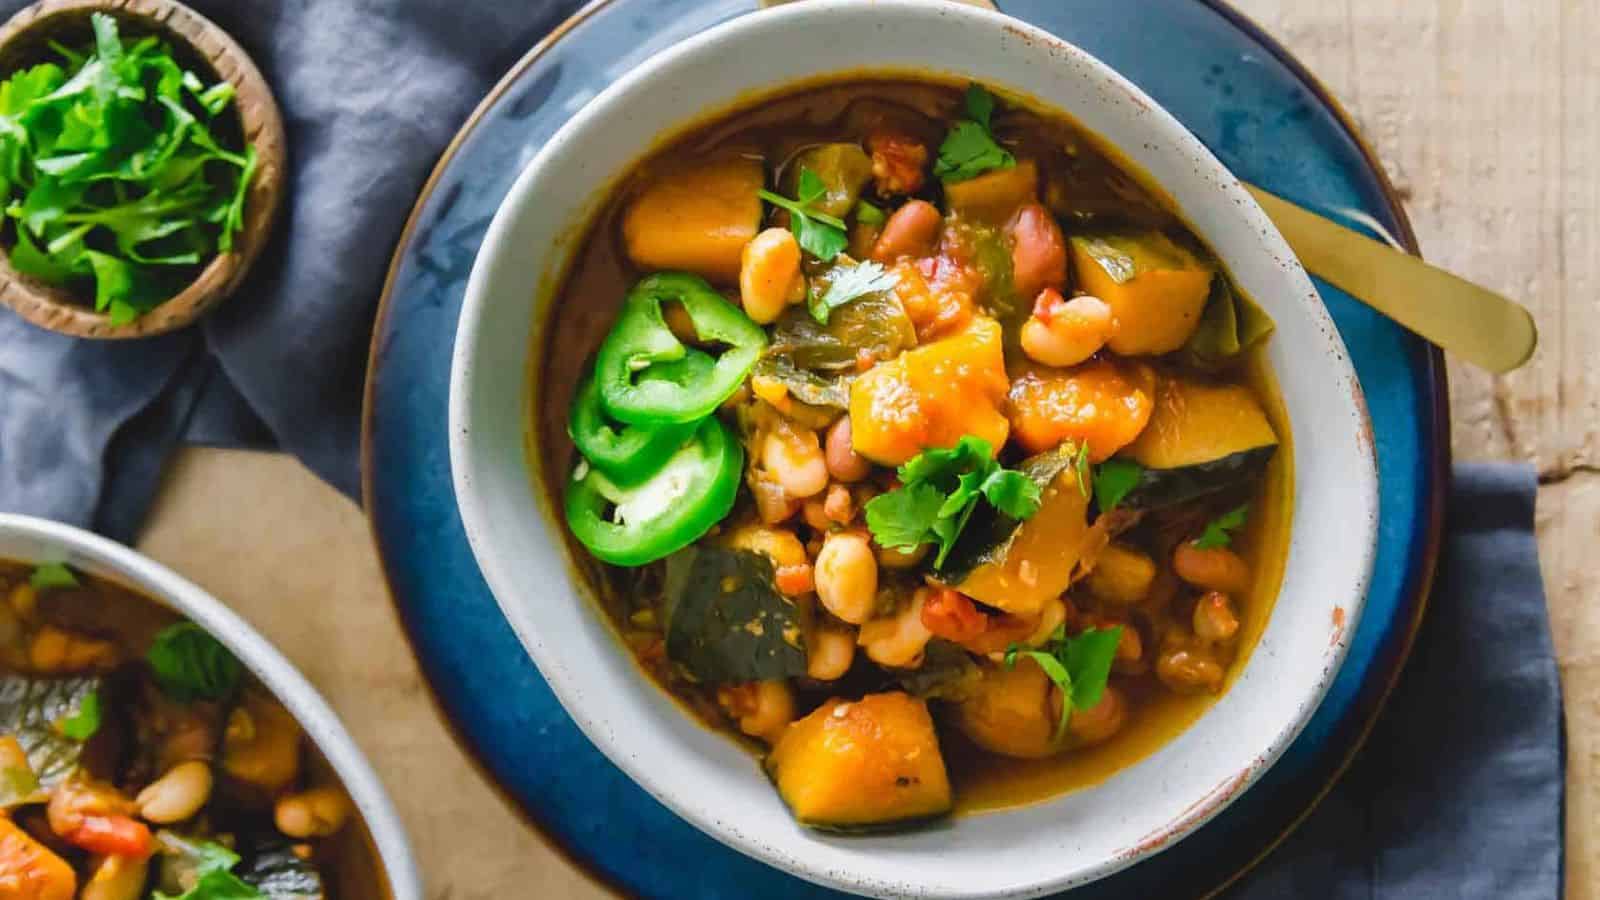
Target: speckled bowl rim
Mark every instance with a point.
(57, 542)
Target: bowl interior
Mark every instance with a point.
(516, 533)
(375, 858)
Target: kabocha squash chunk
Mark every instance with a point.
(1201, 438)
(1020, 567)
(1103, 402)
(696, 218)
(862, 763)
(1156, 288)
(1011, 712)
(932, 397)
(992, 197)
(1121, 576)
(31, 871)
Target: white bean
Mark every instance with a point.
(177, 795)
(847, 576)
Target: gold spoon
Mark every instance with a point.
(1465, 319)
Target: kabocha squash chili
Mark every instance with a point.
(138, 758)
(928, 448)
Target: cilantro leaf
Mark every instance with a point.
(215, 885)
(1013, 493)
(190, 664)
(52, 575)
(209, 864)
(978, 103)
(1080, 467)
(1216, 531)
(84, 721)
(940, 489)
(819, 234)
(969, 454)
(1088, 657)
(901, 519)
(849, 284)
(1080, 665)
(969, 149)
(1113, 479)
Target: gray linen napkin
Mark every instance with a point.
(1459, 790)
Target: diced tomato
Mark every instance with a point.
(111, 836)
(953, 616)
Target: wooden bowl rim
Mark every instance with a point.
(261, 123)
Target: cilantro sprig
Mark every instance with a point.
(50, 576)
(819, 234)
(84, 721)
(1079, 665)
(851, 283)
(111, 176)
(1216, 533)
(1113, 480)
(190, 664)
(210, 865)
(969, 149)
(940, 489)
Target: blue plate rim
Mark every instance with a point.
(1375, 691)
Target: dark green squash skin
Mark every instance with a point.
(1160, 488)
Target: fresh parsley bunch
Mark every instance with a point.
(939, 489)
(113, 174)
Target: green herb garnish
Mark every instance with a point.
(84, 721)
(1113, 479)
(210, 864)
(819, 234)
(110, 173)
(47, 576)
(1079, 665)
(190, 664)
(1080, 468)
(1216, 532)
(970, 150)
(939, 489)
(849, 284)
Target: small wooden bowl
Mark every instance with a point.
(22, 43)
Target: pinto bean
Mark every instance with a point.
(912, 230)
(1039, 252)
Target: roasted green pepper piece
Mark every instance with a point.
(641, 342)
(844, 168)
(633, 525)
(627, 454)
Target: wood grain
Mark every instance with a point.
(1487, 115)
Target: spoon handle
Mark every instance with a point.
(1465, 319)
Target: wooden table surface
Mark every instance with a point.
(1487, 115)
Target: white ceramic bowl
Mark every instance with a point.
(27, 539)
(515, 530)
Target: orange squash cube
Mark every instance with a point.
(932, 397)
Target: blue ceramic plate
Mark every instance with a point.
(1257, 109)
